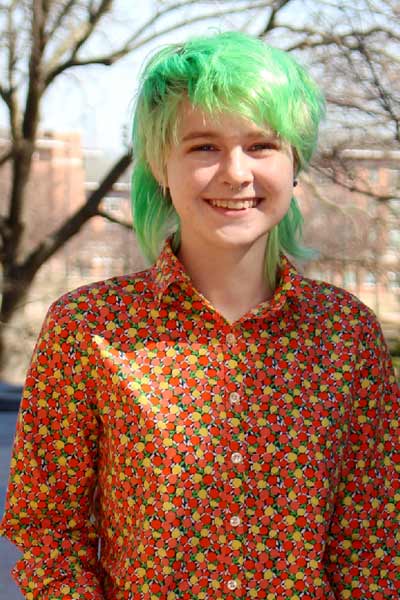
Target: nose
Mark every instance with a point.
(235, 169)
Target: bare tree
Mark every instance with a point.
(352, 47)
(40, 41)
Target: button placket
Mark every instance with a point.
(230, 339)
(234, 371)
(235, 521)
(234, 398)
(237, 458)
(232, 584)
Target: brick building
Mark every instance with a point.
(357, 237)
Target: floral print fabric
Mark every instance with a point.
(164, 453)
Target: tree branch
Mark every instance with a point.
(106, 61)
(202, 17)
(157, 16)
(76, 38)
(133, 44)
(35, 83)
(12, 97)
(379, 197)
(314, 38)
(58, 21)
(75, 222)
(11, 43)
(10, 35)
(5, 96)
(322, 197)
(184, 3)
(6, 157)
(271, 23)
(384, 97)
(358, 104)
(112, 219)
(95, 17)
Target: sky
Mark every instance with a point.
(98, 100)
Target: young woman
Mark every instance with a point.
(217, 426)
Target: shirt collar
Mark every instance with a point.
(169, 270)
(289, 287)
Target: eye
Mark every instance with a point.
(203, 148)
(260, 146)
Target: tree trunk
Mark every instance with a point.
(15, 291)
(18, 277)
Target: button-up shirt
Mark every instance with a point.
(165, 453)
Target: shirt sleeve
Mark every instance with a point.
(48, 513)
(363, 558)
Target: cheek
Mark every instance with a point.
(281, 177)
(201, 175)
(279, 187)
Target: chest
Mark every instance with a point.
(206, 406)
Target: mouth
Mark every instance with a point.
(243, 204)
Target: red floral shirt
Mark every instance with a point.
(165, 453)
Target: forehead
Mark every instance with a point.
(194, 122)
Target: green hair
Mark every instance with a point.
(230, 72)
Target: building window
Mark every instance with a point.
(370, 279)
(112, 203)
(394, 280)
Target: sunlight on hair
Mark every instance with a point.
(230, 72)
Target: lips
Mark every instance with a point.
(234, 204)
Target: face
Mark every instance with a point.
(229, 180)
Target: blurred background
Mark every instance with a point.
(68, 77)
(69, 71)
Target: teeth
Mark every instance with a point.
(234, 204)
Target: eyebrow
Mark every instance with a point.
(193, 135)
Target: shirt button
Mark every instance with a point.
(232, 584)
(234, 398)
(235, 521)
(230, 339)
(237, 458)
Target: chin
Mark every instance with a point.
(240, 241)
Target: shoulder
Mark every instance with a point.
(330, 304)
(116, 294)
(344, 323)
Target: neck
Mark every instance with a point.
(232, 280)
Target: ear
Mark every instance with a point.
(296, 162)
(158, 174)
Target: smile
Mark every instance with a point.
(234, 204)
